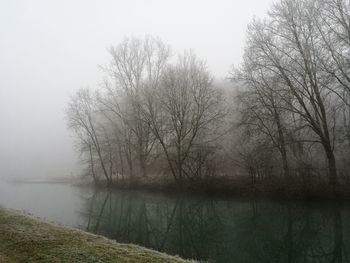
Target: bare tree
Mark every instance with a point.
(262, 110)
(82, 119)
(333, 25)
(286, 45)
(136, 63)
(184, 115)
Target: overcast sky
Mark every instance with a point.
(49, 49)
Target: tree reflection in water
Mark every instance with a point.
(222, 230)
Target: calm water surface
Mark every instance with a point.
(208, 229)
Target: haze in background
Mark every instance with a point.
(49, 49)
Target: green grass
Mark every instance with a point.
(26, 239)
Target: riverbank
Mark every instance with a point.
(242, 187)
(24, 238)
(275, 188)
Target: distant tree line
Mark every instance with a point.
(286, 114)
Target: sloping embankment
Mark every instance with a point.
(26, 239)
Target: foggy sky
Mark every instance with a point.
(49, 49)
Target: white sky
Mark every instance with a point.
(49, 49)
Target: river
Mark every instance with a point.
(195, 227)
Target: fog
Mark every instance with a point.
(50, 49)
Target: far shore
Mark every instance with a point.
(222, 186)
(53, 180)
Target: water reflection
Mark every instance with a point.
(222, 230)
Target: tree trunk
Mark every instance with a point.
(92, 166)
(282, 146)
(98, 150)
(143, 165)
(285, 163)
(104, 167)
(332, 169)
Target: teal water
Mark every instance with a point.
(196, 227)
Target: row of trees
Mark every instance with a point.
(150, 114)
(160, 115)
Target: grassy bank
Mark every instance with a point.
(26, 239)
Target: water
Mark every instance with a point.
(209, 229)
